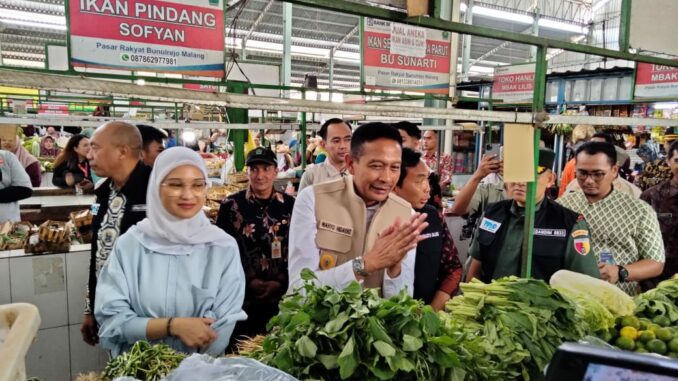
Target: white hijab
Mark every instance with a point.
(166, 233)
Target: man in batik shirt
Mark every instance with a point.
(259, 219)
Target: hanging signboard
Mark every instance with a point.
(656, 81)
(405, 58)
(177, 36)
(653, 26)
(514, 83)
(50, 109)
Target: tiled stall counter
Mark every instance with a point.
(55, 283)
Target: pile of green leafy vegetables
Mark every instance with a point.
(660, 301)
(512, 327)
(144, 362)
(325, 334)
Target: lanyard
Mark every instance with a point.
(84, 169)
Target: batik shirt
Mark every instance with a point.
(259, 226)
(446, 167)
(653, 174)
(108, 232)
(664, 201)
(622, 225)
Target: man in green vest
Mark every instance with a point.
(561, 236)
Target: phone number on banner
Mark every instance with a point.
(148, 59)
(407, 81)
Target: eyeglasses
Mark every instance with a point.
(596, 176)
(176, 188)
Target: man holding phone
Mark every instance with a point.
(474, 197)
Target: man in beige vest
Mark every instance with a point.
(354, 228)
(336, 140)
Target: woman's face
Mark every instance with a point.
(183, 192)
(82, 148)
(49, 143)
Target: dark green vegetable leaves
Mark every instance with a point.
(353, 334)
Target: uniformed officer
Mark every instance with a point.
(561, 236)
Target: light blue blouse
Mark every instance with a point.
(139, 283)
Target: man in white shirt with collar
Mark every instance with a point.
(355, 228)
(336, 140)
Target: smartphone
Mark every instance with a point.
(493, 149)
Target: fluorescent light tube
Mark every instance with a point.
(502, 15)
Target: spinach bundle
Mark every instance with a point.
(322, 333)
(513, 326)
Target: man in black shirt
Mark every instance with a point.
(437, 269)
(120, 201)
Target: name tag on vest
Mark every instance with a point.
(489, 225)
(139, 208)
(431, 235)
(334, 228)
(550, 232)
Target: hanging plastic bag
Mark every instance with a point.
(203, 367)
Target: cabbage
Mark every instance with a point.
(611, 297)
(589, 311)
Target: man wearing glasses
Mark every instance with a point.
(561, 236)
(625, 234)
(259, 219)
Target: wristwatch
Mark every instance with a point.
(623, 274)
(359, 267)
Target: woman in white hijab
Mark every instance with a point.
(174, 277)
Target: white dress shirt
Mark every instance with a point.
(303, 253)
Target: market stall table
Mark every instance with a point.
(38, 209)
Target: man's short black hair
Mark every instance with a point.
(594, 148)
(410, 159)
(410, 129)
(150, 134)
(673, 150)
(370, 132)
(605, 136)
(323, 129)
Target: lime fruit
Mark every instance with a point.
(630, 321)
(673, 345)
(656, 346)
(626, 343)
(664, 334)
(645, 336)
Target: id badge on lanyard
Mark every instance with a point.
(276, 246)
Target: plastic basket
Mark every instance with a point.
(23, 320)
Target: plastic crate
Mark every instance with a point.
(23, 320)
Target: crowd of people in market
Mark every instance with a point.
(369, 209)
